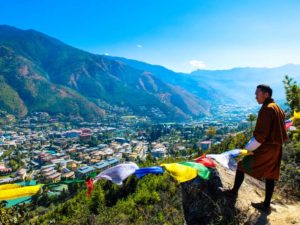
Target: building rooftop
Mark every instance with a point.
(85, 169)
(68, 174)
(55, 175)
(47, 166)
(101, 165)
(112, 161)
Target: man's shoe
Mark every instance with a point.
(229, 193)
(262, 207)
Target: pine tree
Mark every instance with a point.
(97, 200)
(292, 91)
(251, 118)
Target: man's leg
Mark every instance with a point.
(239, 178)
(266, 205)
(270, 184)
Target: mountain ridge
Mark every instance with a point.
(223, 84)
(98, 83)
(103, 82)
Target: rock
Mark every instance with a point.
(204, 203)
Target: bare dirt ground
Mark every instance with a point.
(283, 211)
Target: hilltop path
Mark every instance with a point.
(283, 211)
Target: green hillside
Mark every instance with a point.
(32, 62)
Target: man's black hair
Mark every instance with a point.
(265, 89)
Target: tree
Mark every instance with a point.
(292, 91)
(97, 201)
(251, 118)
(210, 132)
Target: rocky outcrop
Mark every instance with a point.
(204, 203)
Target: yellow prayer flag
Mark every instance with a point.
(180, 172)
(9, 194)
(245, 152)
(296, 115)
(9, 186)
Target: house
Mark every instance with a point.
(49, 173)
(108, 152)
(101, 146)
(97, 154)
(85, 137)
(86, 130)
(71, 150)
(45, 157)
(121, 140)
(181, 148)
(8, 180)
(133, 156)
(34, 164)
(205, 145)
(4, 170)
(159, 152)
(72, 133)
(54, 177)
(22, 173)
(80, 148)
(68, 175)
(84, 171)
(61, 143)
(112, 161)
(48, 166)
(72, 166)
(95, 160)
(101, 165)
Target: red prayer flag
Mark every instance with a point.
(288, 123)
(205, 161)
(89, 184)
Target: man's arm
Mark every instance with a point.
(262, 129)
(264, 124)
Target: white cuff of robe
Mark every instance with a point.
(252, 144)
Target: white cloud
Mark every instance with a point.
(139, 46)
(197, 64)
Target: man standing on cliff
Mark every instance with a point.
(268, 137)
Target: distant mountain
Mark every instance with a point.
(235, 85)
(240, 83)
(24, 88)
(201, 89)
(40, 73)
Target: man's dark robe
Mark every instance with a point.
(270, 132)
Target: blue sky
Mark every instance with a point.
(182, 35)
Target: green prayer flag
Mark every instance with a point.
(203, 171)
